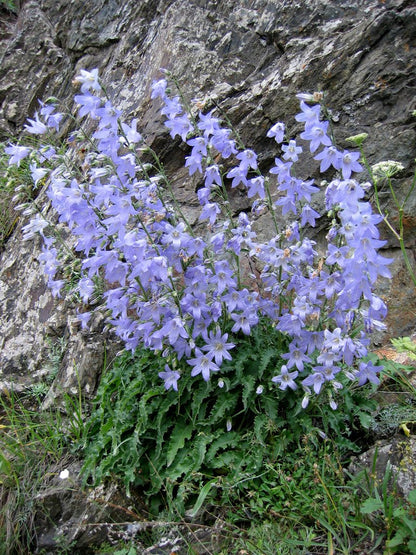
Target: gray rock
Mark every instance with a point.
(72, 518)
(398, 453)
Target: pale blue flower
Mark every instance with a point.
(286, 379)
(170, 377)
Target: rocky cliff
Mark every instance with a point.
(249, 56)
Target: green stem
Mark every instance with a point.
(376, 196)
(403, 249)
(167, 182)
(400, 207)
(410, 191)
(271, 205)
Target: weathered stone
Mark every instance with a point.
(68, 516)
(399, 453)
(33, 324)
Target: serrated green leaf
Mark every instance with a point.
(180, 434)
(182, 465)
(249, 385)
(161, 430)
(266, 355)
(229, 460)
(366, 420)
(144, 406)
(199, 402)
(411, 497)
(199, 450)
(371, 505)
(411, 545)
(260, 427)
(227, 439)
(223, 407)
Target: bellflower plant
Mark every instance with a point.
(191, 296)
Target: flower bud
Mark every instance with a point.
(357, 140)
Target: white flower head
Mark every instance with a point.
(64, 474)
(387, 168)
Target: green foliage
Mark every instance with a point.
(397, 377)
(405, 345)
(393, 516)
(39, 390)
(9, 5)
(309, 502)
(222, 432)
(33, 444)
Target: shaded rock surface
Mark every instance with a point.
(70, 518)
(399, 455)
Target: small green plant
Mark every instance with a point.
(33, 444)
(405, 345)
(9, 5)
(307, 501)
(39, 390)
(393, 516)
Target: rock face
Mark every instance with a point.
(249, 56)
(397, 454)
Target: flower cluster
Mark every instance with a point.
(189, 296)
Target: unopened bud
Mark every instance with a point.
(305, 401)
(357, 140)
(316, 96)
(21, 207)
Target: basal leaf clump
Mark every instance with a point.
(223, 432)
